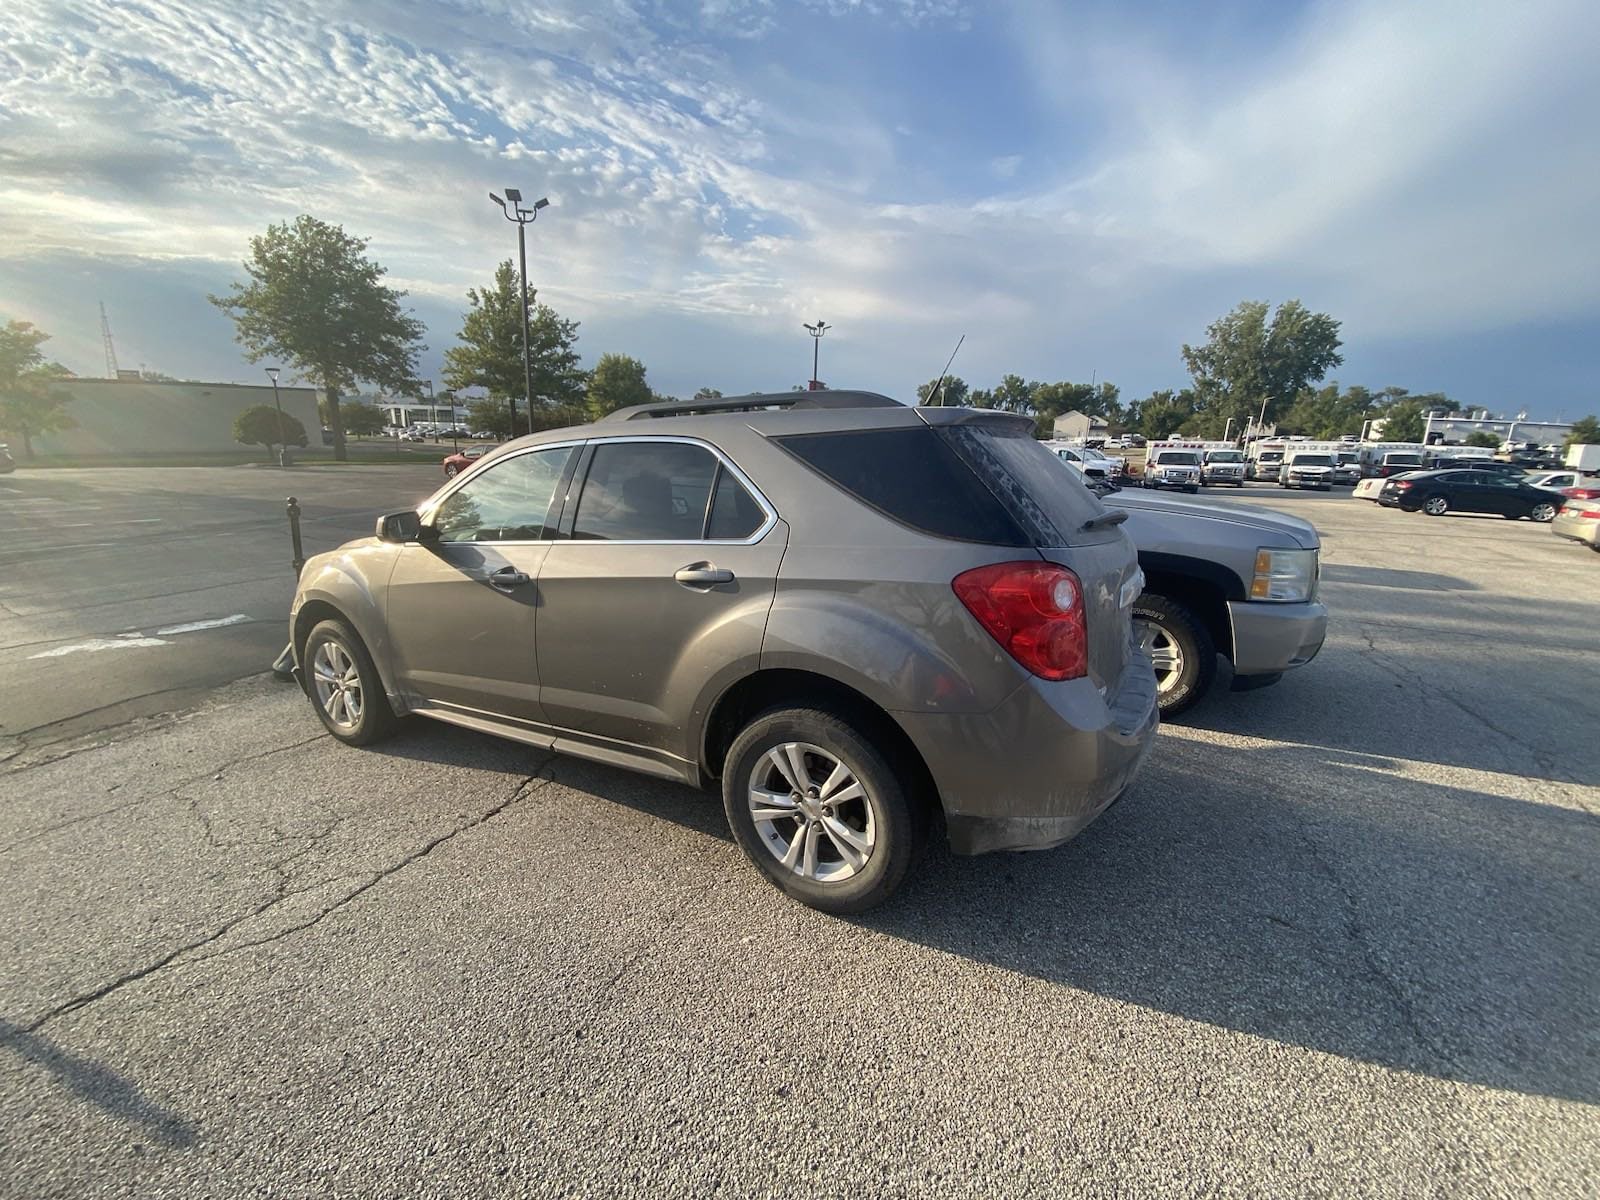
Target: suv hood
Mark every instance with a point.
(1280, 528)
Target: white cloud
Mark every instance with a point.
(1414, 166)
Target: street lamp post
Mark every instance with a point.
(272, 374)
(816, 331)
(511, 208)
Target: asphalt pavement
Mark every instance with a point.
(1339, 940)
(126, 592)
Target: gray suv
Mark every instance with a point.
(854, 617)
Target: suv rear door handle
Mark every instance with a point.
(507, 578)
(699, 575)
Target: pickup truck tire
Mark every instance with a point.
(1169, 631)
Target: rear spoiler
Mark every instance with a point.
(939, 415)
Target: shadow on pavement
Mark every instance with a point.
(1296, 894)
(100, 1086)
(1299, 893)
(1426, 581)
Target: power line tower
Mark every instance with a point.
(105, 336)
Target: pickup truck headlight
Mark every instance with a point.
(1287, 576)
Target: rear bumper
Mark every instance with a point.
(1272, 638)
(1038, 769)
(1576, 529)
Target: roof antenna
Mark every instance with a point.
(939, 387)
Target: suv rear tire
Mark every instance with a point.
(344, 685)
(837, 856)
(1178, 689)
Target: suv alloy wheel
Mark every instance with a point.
(819, 809)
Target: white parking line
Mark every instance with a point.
(137, 638)
(214, 623)
(98, 524)
(124, 642)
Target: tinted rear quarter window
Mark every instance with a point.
(913, 477)
(1049, 502)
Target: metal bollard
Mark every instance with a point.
(293, 509)
(283, 665)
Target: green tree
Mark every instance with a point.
(317, 302)
(30, 402)
(489, 416)
(1585, 432)
(954, 392)
(1482, 437)
(363, 420)
(1014, 394)
(1248, 359)
(259, 425)
(1161, 414)
(1328, 412)
(707, 393)
(489, 353)
(1403, 422)
(616, 382)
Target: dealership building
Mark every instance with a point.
(126, 417)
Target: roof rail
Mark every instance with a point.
(755, 402)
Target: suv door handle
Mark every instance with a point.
(700, 575)
(507, 578)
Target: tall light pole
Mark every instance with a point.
(1261, 424)
(816, 331)
(513, 211)
(272, 374)
(1227, 429)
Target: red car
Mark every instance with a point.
(456, 463)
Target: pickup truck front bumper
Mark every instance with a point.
(1269, 639)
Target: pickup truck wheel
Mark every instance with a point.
(1180, 648)
(820, 810)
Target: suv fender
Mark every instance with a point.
(853, 641)
(332, 586)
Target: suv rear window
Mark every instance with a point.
(914, 477)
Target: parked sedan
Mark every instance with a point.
(1440, 492)
(458, 462)
(1579, 523)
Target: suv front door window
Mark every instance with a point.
(669, 551)
(461, 606)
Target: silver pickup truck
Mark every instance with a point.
(1226, 579)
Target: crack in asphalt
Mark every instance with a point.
(168, 793)
(1376, 972)
(1542, 760)
(525, 788)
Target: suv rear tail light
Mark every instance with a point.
(1034, 610)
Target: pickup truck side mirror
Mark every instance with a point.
(400, 527)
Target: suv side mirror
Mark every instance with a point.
(400, 527)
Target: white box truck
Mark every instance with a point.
(1583, 459)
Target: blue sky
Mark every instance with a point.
(1076, 187)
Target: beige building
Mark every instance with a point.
(137, 416)
(1075, 426)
